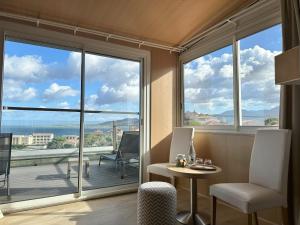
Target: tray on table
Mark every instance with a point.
(202, 167)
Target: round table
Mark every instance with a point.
(192, 217)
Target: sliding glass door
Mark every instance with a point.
(44, 102)
(104, 133)
(41, 91)
(111, 131)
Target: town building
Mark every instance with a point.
(22, 140)
(42, 138)
(72, 139)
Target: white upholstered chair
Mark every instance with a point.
(181, 142)
(268, 176)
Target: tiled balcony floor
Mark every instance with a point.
(50, 180)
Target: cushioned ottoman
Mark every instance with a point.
(156, 204)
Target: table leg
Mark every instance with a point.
(192, 217)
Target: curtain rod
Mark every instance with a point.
(196, 38)
(76, 29)
(179, 49)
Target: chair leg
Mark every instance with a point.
(116, 165)
(173, 181)
(255, 218)
(122, 169)
(213, 208)
(100, 160)
(250, 219)
(149, 177)
(285, 216)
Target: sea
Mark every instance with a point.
(259, 121)
(57, 131)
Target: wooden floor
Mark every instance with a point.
(119, 210)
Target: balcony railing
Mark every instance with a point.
(21, 158)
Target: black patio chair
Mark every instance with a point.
(5, 157)
(128, 151)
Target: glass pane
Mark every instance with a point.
(208, 89)
(39, 76)
(112, 84)
(43, 145)
(260, 95)
(114, 138)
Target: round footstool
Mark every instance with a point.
(156, 204)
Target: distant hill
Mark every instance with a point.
(254, 113)
(123, 122)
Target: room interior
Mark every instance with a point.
(164, 43)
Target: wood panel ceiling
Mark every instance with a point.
(161, 21)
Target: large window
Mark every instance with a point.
(208, 89)
(42, 108)
(259, 94)
(211, 88)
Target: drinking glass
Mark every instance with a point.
(208, 162)
(199, 161)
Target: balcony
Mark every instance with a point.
(43, 173)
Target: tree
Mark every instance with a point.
(91, 139)
(67, 145)
(94, 139)
(22, 146)
(57, 142)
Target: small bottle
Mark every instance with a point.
(180, 160)
(192, 154)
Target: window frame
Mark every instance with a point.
(82, 98)
(229, 35)
(50, 38)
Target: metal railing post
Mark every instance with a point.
(114, 136)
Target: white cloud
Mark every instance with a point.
(191, 94)
(257, 63)
(29, 68)
(119, 79)
(208, 80)
(64, 105)
(257, 71)
(15, 91)
(24, 77)
(90, 102)
(123, 92)
(59, 91)
(226, 71)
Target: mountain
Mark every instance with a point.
(122, 122)
(254, 113)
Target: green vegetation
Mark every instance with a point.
(18, 146)
(271, 121)
(92, 140)
(66, 145)
(194, 123)
(57, 142)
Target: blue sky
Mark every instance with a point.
(40, 76)
(47, 77)
(208, 80)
